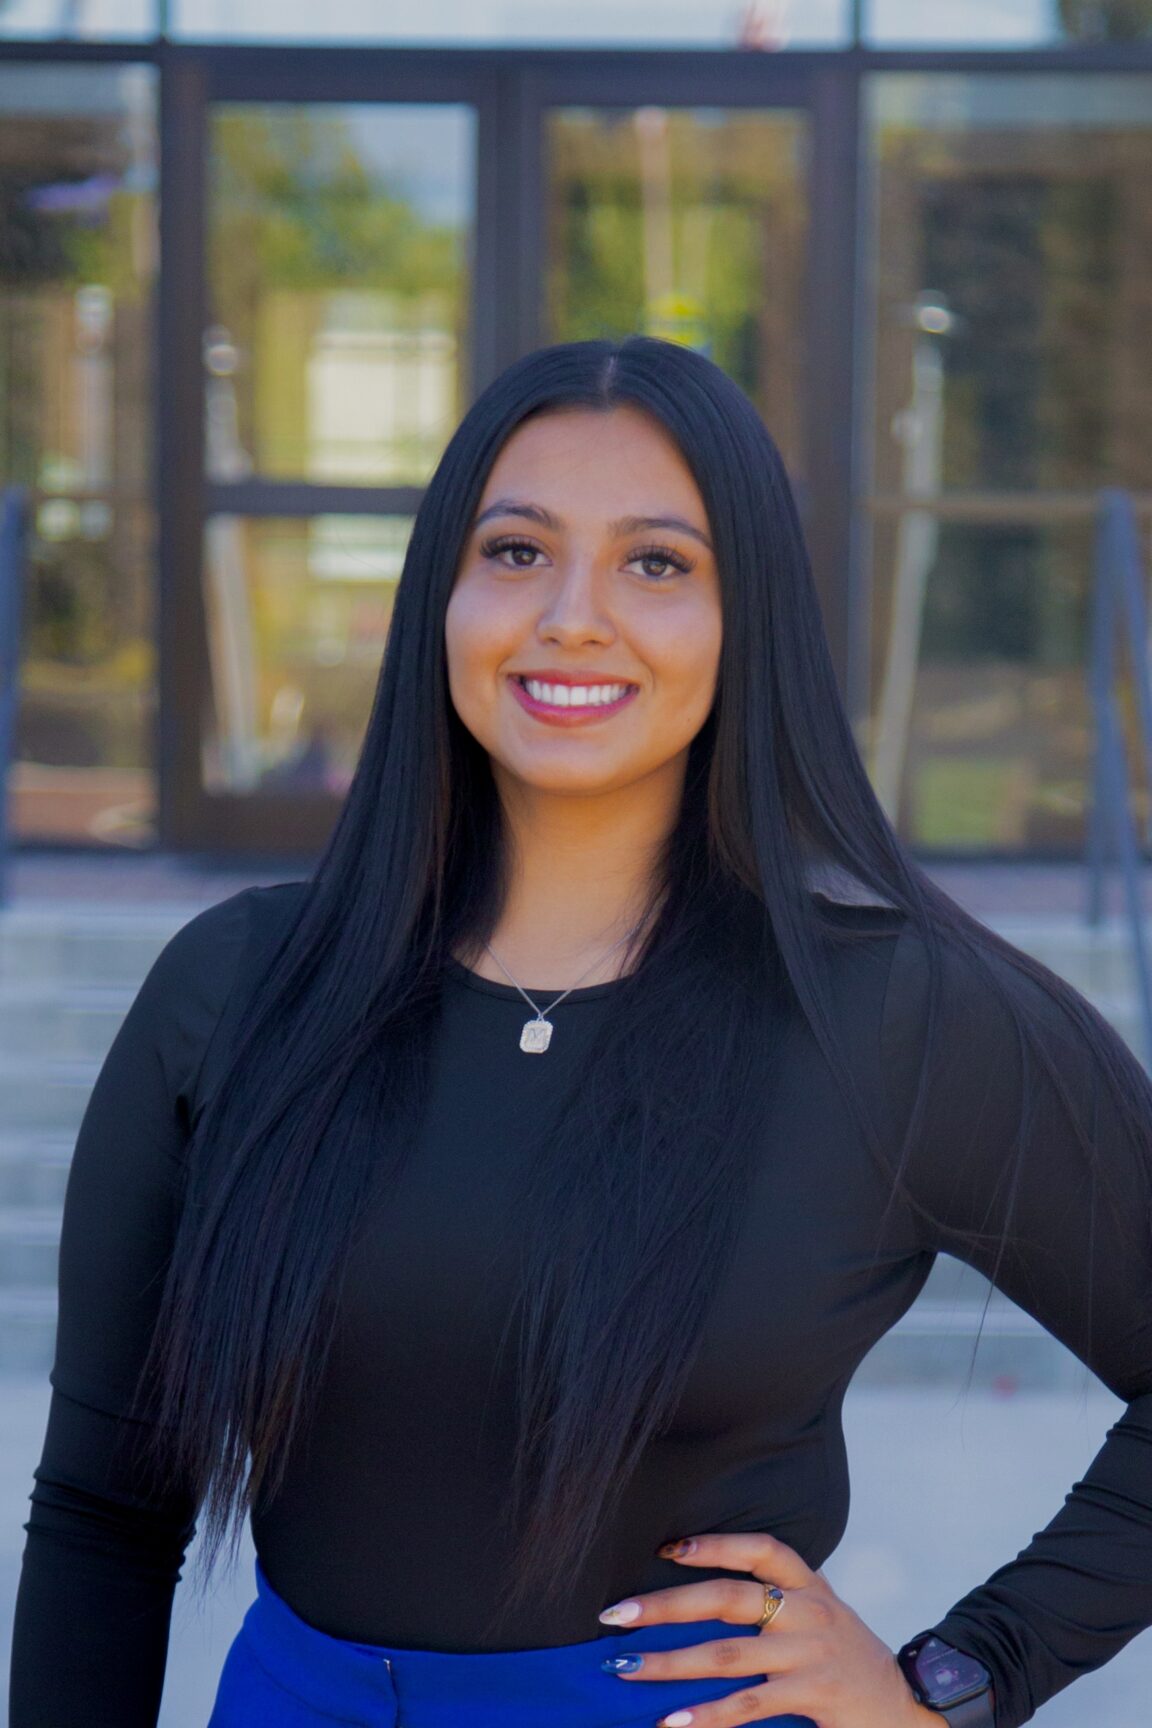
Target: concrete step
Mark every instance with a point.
(29, 1247)
(45, 1096)
(934, 1344)
(27, 1329)
(45, 1018)
(1125, 1016)
(34, 1169)
(948, 1336)
(959, 1345)
(1097, 961)
(87, 941)
(84, 944)
(961, 1331)
(68, 975)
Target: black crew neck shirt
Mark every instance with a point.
(386, 1528)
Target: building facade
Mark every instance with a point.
(249, 280)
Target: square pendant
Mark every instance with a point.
(536, 1036)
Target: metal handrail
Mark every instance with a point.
(13, 535)
(1118, 598)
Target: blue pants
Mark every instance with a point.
(283, 1673)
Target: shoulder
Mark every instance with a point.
(985, 997)
(966, 993)
(192, 979)
(223, 928)
(205, 950)
(984, 1048)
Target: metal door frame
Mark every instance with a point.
(825, 88)
(191, 818)
(511, 93)
(509, 88)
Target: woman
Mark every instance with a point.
(519, 1194)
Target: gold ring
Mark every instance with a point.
(773, 1602)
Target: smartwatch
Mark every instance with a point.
(954, 1684)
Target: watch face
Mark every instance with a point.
(947, 1676)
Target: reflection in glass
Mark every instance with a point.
(79, 20)
(688, 224)
(1018, 206)
(997, 744)
(764, 24)
(1011, 349)
(340, 241)
(1007, 23)
(77, 211)
(297, 613)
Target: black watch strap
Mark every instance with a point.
(952, 1670)
(973, 1713)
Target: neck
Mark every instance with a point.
(580, 875)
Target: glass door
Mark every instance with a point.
(78, 164)
(711, 201)
(363, 266)
(337, 356)
(1007, 293)
(689, 223)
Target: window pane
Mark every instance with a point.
(1009, 275)
(298, 613)
(637, 23)
(979, 734)
(78, 20)
(83, 766)
(689, 224)
(77, 209)
(1011, 353)
(1006, 23)
(339, 254)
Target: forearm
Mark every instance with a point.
(1079, 1591)
(101, 1563)
(90, 1636)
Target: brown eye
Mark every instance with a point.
(658, 562)
(522, 552)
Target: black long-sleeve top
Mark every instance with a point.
(386, 1529)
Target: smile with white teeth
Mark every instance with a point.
(574, 695)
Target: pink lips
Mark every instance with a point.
(584, 716)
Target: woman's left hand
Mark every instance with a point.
(821, 1660)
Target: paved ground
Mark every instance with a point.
(946, 1486)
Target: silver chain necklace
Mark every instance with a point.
(536, 1035)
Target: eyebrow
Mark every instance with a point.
(625, 524)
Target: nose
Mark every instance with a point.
(575, 610)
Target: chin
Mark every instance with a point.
(544, 780)
(583, 779)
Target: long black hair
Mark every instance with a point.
(635, 1207)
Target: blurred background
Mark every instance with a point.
(255, 261)
(251, 274)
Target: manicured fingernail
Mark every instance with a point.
(677, 1550)
(622, 1664)
(678, 1719)
(621, 1612)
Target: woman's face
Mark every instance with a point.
(583, 631)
